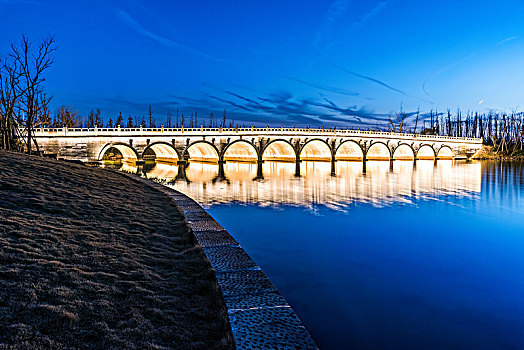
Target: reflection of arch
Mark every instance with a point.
(280, 150)
(127, 151)
(316, 149)
(445, 152)
(163, 171)
(240, 151)
(404, 152)
(426, 152)
(202, 151)
(236, 171)
(378, 151)
(278, 171)
(349, 150)
(315, 170)
(163, 152)
(201, 172)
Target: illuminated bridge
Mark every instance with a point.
(220, 145)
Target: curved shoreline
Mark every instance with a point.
(259, 315)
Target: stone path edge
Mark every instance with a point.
(259, 315)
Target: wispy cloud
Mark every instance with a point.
(332, 89)
(335, 11)
(443, 70)
(371, 13)
(131, 22)
(275, 108)
(460, 61)
(502, 42)
(373, 80)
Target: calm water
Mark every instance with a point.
(425, 257)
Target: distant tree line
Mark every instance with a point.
(67, 117)
(503, 131)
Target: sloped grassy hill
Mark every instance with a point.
(92, 259)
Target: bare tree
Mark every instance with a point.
(397, 124)
(32, 66)
(10, 75)
(66, 117)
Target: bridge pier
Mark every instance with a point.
(333, 160)
(260, 173)
(297, 167)
(181, 174)
(221, 172)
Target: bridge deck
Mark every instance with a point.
(86, 132)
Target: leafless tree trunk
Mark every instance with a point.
(10, 74)
(32, 66)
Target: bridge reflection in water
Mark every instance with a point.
(278, 184)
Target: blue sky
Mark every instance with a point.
(278, 62)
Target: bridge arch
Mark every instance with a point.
(127, 152)
(404, 152)
(316, 149)
(445, 152)
(202, 151)
(349, 150)
(378, 150)
(163, 152)
(426, 151)
(280, 150)
(240, 151)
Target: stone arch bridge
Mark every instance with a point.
(219, 145)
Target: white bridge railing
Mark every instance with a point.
(119, 131)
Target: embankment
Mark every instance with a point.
(93, 259)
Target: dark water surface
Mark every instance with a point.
(425, 257)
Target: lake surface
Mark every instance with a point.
(414, 257)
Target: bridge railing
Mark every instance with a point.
(42, 132)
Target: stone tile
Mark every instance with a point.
(198, 215)
(185, 202)
(190, 208)
(269, 328)
(247, 282)
(229, 258)
(254, 301)
(214, 238)
(209, 225)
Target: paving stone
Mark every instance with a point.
(246, 282)
(185, 202)
(214, 238)
(190, 208)
(269, 328)
(255, 301)
(200, 215)
(209, 225)
(229, 258)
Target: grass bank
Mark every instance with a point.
(92, 259)
(491, 153)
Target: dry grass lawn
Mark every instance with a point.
(92, 259)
